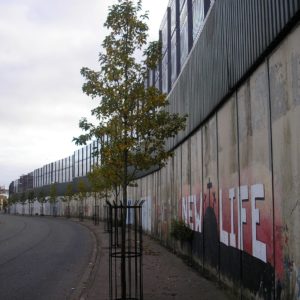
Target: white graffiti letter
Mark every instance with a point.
(191, 201)
(232, 235)
(198, 216)
(223, 233)
(243, 196)
(258, 248)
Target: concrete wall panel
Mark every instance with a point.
(165, 195)
(210, 196)
(284, 67)
(149, 193)
(152, 191)
(165, 202)
(159, 210)
(196, 197)
(186, 169)
(255, 190)
(178, 181)
(171, 202)
(229, 209)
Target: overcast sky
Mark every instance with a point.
(43, 45)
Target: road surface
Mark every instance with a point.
(41, 257)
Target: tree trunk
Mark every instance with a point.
(123, 214)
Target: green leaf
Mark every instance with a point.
(133, 123)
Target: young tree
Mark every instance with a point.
(100, 187)
(41, 199)
(68, 197)
(5, 204)
(23, 200)
(30, 197)
(134, 119)
(82, 191)
(16, 201)
(13, 200)
(3, 198)
(53, 198)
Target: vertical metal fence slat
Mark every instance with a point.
(125, 251)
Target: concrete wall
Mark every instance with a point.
(236, 184)
(284, 68)
(61, 207)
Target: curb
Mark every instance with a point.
(88, 277)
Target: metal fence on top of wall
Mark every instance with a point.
(236, 37)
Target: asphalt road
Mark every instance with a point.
(42, 257)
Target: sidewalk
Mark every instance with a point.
(166, 277)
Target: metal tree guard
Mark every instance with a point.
(125, 251)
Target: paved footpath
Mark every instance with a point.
(166, 276)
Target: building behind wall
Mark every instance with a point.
(3, 196)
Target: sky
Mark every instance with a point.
(43, 46)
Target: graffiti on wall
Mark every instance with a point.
(192, 213)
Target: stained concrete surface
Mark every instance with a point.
(165, 275)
